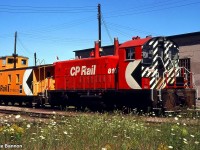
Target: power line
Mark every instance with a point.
(117, 27)
(147, 9)
(108, 32)
(39, 9)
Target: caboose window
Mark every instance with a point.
(130, 53)
(9, 79)
(17, 78)
(10, 60)
(23, 62)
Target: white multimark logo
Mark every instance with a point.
(83, 70)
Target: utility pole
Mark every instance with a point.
(99, 23)
(15, 53)
(35, 59)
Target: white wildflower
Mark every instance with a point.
(170, 147)
(192, 135)
(42, 137)
(65, 132)
(158, 130)
(54, 112)
(184, 139)
(128, 137)
(176, 118)
(17, 116)
(196, 142)
(28, 126)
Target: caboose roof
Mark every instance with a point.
(2, 57)
(134, 42)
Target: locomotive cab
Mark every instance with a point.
(151, 66)
(130, 64)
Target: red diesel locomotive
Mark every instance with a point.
(142, 73)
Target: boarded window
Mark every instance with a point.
(4, 62)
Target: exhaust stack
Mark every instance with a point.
(96, 49)
(116, 47)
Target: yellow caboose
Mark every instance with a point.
(20, 83)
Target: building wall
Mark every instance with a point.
(193, 52)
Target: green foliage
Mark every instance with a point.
(102, 132)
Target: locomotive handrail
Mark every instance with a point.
(189, 72)
(192, 83)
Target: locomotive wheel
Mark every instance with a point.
(63, 107)
(5, 101)
(29, 104)
(13, 103)
(80, 108)
(20, 103)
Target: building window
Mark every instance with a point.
(130, 53)
(17, 78)
(9, 79)
(23, 61)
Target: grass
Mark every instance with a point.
(101, 132)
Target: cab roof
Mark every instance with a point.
(136, 41)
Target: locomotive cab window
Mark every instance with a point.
(130, 53)
(147, 55)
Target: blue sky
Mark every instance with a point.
(58, 27)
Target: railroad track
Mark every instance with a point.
(33, 113)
